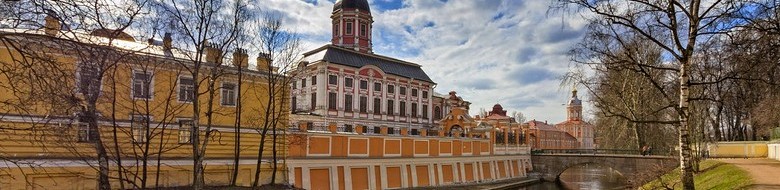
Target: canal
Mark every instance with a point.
(590, 176)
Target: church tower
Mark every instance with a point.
(574, 107)
(352, 23)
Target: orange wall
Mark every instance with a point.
(320, 179)
(422, 176)
(360, 178)
(393, 177)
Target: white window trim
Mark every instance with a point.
(178, 89)
(222, 94)
(132, 128)
(78, 80)
(151, 85)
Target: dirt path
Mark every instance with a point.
(764, 171)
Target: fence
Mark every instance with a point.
(775, 133)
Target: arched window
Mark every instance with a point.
(437, 113)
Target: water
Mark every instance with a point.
(585, 177)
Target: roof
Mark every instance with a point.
(352, 58)
(352, 4)
(573, 122)
(542, 126)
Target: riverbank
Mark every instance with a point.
(497, 185)
(763, 171)
(714, 174)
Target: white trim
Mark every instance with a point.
(222, 93)
(308, 149)
(349, 144)
(427, 152)
(400, 148)
(151, 84)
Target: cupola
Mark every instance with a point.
(352, 24)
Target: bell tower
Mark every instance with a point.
(574, 107)
(352, 24)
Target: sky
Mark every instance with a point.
(511, 52)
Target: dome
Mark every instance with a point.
(352, 4)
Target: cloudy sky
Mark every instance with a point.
(511, 52)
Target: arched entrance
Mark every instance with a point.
(454, 129)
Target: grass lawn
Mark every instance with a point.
(713, 175)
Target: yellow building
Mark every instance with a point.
(143, 94)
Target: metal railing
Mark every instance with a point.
(599, 152)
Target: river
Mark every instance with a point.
(589, 176)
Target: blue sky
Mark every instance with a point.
(511, 52)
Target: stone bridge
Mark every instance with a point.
(637, 169)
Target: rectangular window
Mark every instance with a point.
(403, 90)
(336, 28)
(363, 104)
(333, 79)
(377, 106)
(303, 82)
(414, 110)
(185, 131)
(414, 92)
(332, 101)
(377, 130)
(415, 132)
(141, 83)
(348, 128)
(363, 29)
(390, 107)
(139, 127)
(390, 89)
(294, 104)
(86, 134)
(186, 89)
(364, 129)
(363, 85)
(313, 100)
(377, 86)
(390, 130)
(88, 79)
(294, 84)
(348, 103)
(228, 94)
(349, 28)
(402, 109)
(425, 111)
(314, 80)
(348, 82)
(425, 94)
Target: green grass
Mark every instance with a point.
(713, 175)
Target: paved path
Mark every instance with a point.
(764, 171)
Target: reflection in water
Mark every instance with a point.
(585, 177)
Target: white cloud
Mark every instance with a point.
(509, 52)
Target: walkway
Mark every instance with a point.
(763, 171)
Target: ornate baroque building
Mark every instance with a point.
(366, 121)
(575, 126)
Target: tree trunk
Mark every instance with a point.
(686, 176)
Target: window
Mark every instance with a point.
(139, 127)
(186, 89)
(377, 130)
(363, 85)
(303, 82)
(415, 132)
(364, 129)
(425, 94)
(402, 109)
(141, 82)
(425, 111)
(390, 89)
(377, 106)
(294, 84)
(314, 80)
(363, 104)
(88, 79)
(363, 29)
(390, 130)
(333, 79)
(332, 101)
(185, 131)
(294, 104)
(348, 128)
(414, 92)
(414, 110)
(377, 86)
(336, 29)
(86, 134)
(348, 103)
(228, 94)
(436, 113)
(403, 90)
(348, 82)
(390, 107)
(349, 28)
(313, 100)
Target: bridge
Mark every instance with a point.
(637, 168)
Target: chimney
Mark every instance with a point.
(264, 62)
(167, 42)
(52, 26)
(213, 54)
(240, 58)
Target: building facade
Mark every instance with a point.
(367, 121)
(144, 106)
(575, 125)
